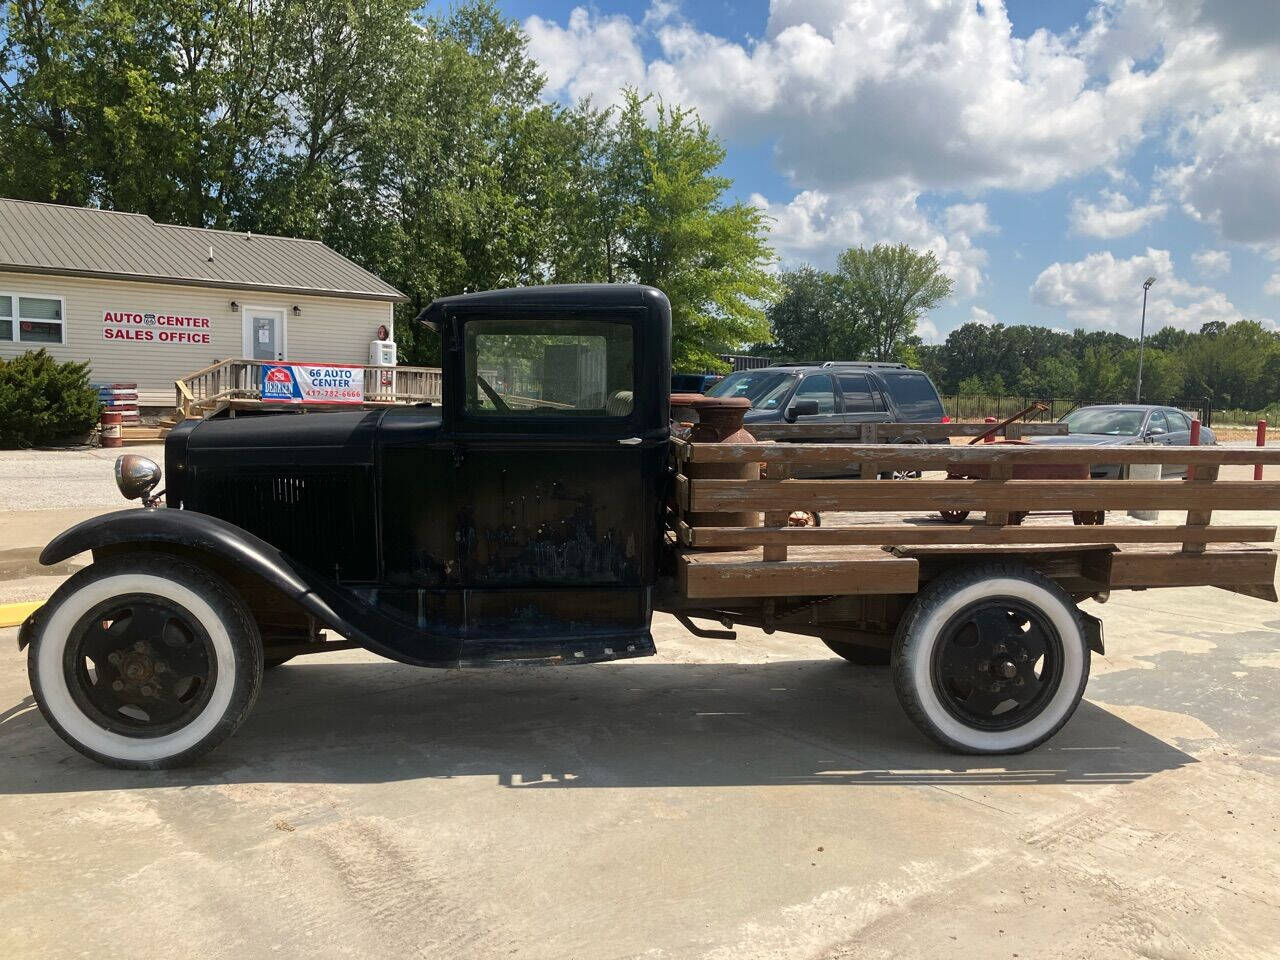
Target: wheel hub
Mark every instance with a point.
(996, 663)
(140, 665)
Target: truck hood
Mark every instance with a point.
(285, 431)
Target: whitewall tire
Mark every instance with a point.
(144, 662)
(991, 659)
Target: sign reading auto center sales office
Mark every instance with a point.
(311, 383)
(154, 328)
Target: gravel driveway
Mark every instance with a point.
(55, 479)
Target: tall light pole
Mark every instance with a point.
(1142, 334)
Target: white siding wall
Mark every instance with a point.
(327, 330)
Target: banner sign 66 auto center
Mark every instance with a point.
(153, 327)
(303, 383)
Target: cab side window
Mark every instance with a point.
(1157, 426)
(821, 388)
(548, 368)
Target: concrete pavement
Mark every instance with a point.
(726, 799)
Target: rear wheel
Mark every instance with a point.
(991, 659)
(954, 516)
(144, 662)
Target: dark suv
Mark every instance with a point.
(835, 392)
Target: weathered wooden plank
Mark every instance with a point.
(998, 471)
(681, 493)
(930, 495)
(1226, 568)
(1199, 518)
(906, 431)
(737, 578)
(775, 552)
(908, 533)
(939, 456)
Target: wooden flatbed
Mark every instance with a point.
(885, 536)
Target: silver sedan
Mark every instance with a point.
(1110, 425)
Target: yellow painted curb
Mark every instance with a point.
(12, 614)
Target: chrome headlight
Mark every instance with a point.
(136, 476)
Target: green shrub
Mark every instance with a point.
(43, 401)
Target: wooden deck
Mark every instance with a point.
(235, 384)
(886, 536)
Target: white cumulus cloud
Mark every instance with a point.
(1114, 216)
(1231, 179)
(1105, 292)
(814, 227)
(1212, 263)
(979, 315)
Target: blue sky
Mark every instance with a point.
(1051, 154)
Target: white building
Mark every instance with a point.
(148, 303)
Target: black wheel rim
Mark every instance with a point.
(997, 664)
(140, 665)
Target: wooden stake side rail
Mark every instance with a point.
(778, 560)
(939, 457)
(997, 495)
(967, 533)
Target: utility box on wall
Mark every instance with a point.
(382, 353)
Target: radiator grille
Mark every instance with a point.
(323, 518)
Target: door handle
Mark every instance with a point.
(632, 441)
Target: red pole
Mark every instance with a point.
(1195, 442)
(1262, 442)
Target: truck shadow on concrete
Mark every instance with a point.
(785, 723)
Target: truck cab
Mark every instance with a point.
(518, 520)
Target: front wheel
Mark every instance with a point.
(991, 659)
(142, 662)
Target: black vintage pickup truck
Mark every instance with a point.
(541, 513)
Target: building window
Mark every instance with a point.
(39, 320)
(6, 317)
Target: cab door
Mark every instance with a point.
(560, 436)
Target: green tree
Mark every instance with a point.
(1054, 376)
(811, 320)
(662, 220)
(1099, 374)
(890, 288)
(1162, 375)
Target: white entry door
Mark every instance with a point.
(264, 333)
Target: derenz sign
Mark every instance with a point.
(298, 383)
(153, 327)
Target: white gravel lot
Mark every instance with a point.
(55, 479)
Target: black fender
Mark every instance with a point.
(199, 532)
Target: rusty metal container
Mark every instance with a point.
(112, 435)
(717, 420)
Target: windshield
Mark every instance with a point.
(1112, 423)
(766, 389)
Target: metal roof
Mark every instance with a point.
(84, 242)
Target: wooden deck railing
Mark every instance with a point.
(237, 381)
(776, 496)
